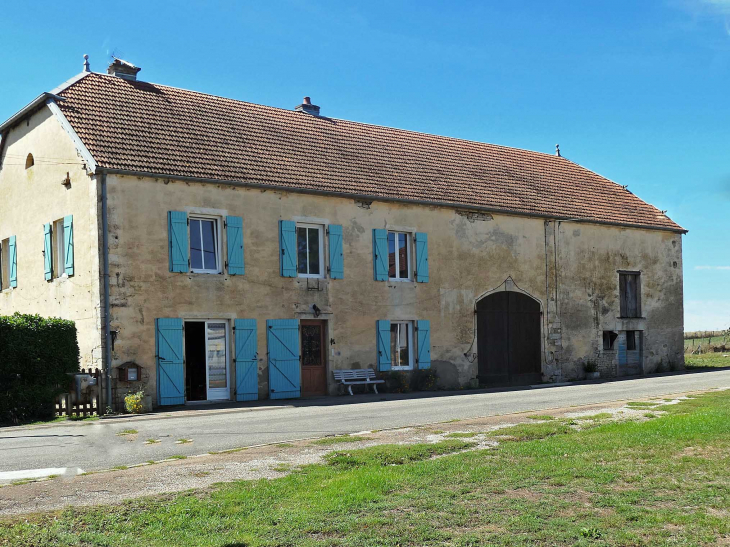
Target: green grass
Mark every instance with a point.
(327, 441)
(658, 482)
(596, 417)
(177, 457)
(707, 360)
(641, 404)
(530, 432)
(462, 435)
(542, 417)
(124, 432)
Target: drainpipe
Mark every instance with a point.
(107, 314)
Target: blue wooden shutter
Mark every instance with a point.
(169, 349)
(383, 343)
(47, 251)
(68, 244)
(337, 263)
(288, 248)
(177, 233)
(622, 351)
(423, 329)
(247, 370)
(234, 240)
(380, 254)
(282, 341)
(421, 257)
(13, 261)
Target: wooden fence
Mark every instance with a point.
(89, 405)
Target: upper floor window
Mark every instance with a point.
(59, 249)
(310, 250)
(630, 294)
(204, 245)
(399, 256)
(29, 161)
(4, 265)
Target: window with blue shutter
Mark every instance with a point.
(423, 331)
(68, 244)
(337, 263)
(234, 241)
(13, 261)
(246, 358)
(47, 251)
(380, 254)
(282, 343)
(421, 257)
(170, 368)
(383, 344)
(287, 248)
(177, 233)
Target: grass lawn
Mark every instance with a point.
(662, 481)
(713, 360)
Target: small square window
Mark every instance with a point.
(204, 245)
(401, 345)
(310, 250)
(399, 256)
(609, 337)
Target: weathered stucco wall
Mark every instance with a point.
(571, 268)
(35, 196)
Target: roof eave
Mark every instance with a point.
(31, 107)
(370, 197)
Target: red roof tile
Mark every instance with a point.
(142, 127)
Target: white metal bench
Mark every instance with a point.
(357, 376)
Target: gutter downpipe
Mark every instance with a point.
(107, 307)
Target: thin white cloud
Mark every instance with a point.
(712, 267)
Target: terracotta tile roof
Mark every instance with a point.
(143, 127)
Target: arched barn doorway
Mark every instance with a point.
(508, 339)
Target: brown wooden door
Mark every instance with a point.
(314, 367)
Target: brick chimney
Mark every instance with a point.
(307, 107)
(123, 69)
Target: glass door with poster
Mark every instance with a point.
(217, 374)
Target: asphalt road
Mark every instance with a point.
(97, 445)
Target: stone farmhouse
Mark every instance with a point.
(213, 249)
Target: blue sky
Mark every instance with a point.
(636, 91)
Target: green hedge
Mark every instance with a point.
(35, 356)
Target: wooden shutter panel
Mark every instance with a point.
(177, 233)
(383, 344)
(234, 242)
(337, 263)
(282, 342)
(48, 251)
(380, 255)
(13, 261)
(169, 350)
(247, 370)
(421, 257)
(288, 248)
(622, 295)
(68, 244)
(423, 329)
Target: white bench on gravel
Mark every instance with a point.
(357, 376)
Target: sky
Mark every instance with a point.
(637, 91)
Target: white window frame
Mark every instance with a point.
(319, 227)
(409, 252)
(218, 243)
(409, 336)
(58, 262)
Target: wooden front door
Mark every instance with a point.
(314, 368)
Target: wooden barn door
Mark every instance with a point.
(508, 339)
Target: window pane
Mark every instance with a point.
(217, 355)
(210, 259)
(302, 250)
(402, 256)
(399, 350)
(391, 256)
(196, 247)
(59, 268)
(313, 251)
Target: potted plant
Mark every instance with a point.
(591, 369)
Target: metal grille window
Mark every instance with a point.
(310, 251)
(399, 256)
(630, 294)
(204, 245)
(401, 345)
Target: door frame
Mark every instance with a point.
(227, 343)
(325, 356)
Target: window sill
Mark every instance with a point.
(309, 276)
